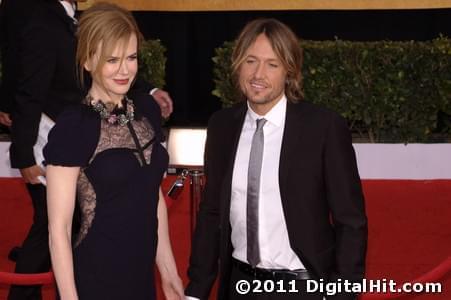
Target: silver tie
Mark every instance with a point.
(253, 187)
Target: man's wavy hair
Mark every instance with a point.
(285, 44)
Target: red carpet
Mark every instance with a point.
(409, 229)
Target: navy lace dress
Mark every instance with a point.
(117, 190)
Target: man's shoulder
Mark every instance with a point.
(228, 114)
(48, 16)
(314, 111)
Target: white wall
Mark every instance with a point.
(5, 167)
(399, 161)
(375, 161)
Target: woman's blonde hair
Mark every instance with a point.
(108, 26)
(284, 43)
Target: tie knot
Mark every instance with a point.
(260, 123)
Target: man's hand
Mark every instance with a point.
(30, 174)
(6, 120)
(164, 101)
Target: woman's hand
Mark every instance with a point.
(170, 280)
(172, 288)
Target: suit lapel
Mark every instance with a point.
(233, 134)
(238, 116)
(290, 148)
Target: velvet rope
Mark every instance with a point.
(432, 276)
(26, 279)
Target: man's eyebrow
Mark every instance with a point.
(254, 56)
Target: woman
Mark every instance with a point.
(108, 151)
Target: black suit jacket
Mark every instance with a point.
(46, 79)
(13, 16)
(320, 190)
(43, 73)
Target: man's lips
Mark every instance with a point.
(257, 85)
(121, 81)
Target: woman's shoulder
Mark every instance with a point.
(146, 106)
(76, 113)
(145, 103)
(74, 136)
(78, 119)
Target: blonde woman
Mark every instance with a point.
(108, 152)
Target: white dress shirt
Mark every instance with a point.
(275, 249)
(69, 8)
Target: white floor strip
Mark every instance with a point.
(375, 161)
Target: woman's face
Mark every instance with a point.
(118, 72)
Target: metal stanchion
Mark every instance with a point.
(196, 195)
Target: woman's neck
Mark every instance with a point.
(107, 99)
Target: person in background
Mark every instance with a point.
(108, 151)
(13, 16)
(38, 45)
(283, 200)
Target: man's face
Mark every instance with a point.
(262, 76)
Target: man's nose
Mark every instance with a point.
(260, 70)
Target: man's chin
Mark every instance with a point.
(258, 101)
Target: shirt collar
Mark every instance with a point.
(69, 8)
(275, 116)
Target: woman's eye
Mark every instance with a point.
(132, 58)
(112, 60)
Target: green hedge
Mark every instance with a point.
(152, 62)
(388, 91)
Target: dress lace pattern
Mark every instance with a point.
(111, 136)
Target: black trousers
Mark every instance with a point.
(34, 257)
(266, 290)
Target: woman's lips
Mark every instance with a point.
(121, 81)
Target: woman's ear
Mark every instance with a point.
(88, 65)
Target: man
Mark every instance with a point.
(12, 18)
(282, 199)
(38, 47)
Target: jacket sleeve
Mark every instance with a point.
(37, 63)
(346, 202)
(203, 267)
(5, 49)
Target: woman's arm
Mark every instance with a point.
(61, 190)
(171, 282)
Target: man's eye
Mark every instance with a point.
(250, 61)
(274, 65)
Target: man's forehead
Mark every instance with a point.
(261, 48)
